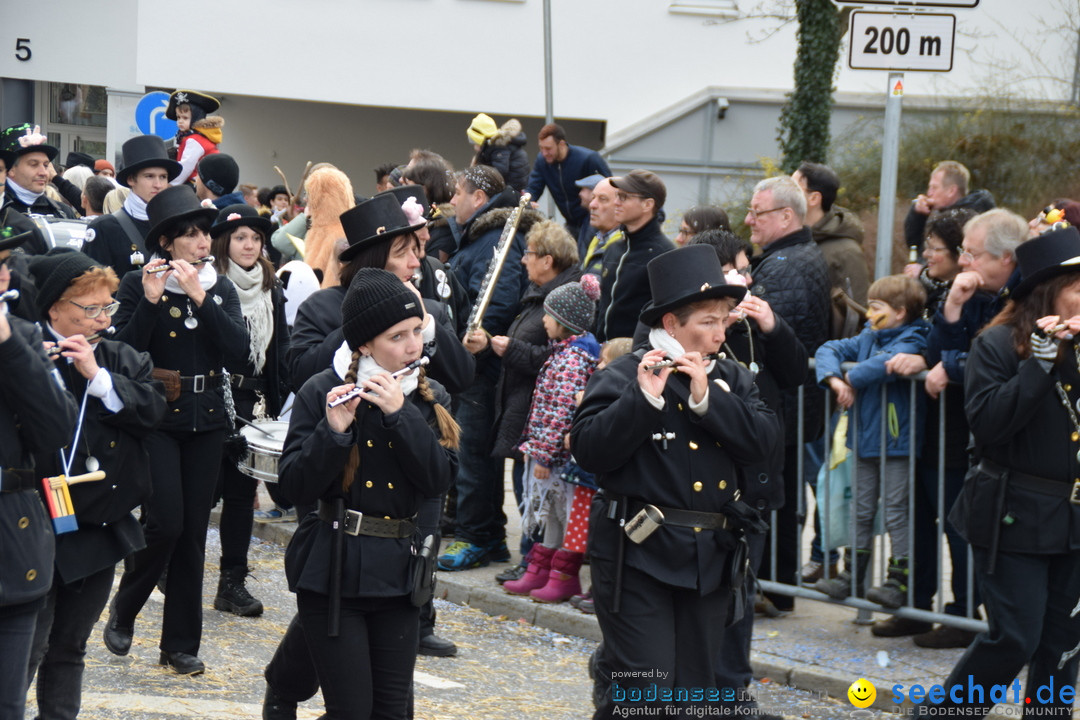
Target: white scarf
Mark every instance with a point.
(25, 196)
(258, 310)
(661, 340)
(207, 279)
(369, 368)
(136, 207)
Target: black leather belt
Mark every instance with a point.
(13, 480)
(357, 523)
(199, 383)
(677, 516)
(1044, 486)
(244, 382)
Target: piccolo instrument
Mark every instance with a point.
(1052, 330)
(502, 249)
(670, 361)
(419, 362)
(55, 350)
(200, 261)
(9, 296)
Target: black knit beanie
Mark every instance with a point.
(219, 173)
(54, 272)
(376, 300)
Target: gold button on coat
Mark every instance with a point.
(697, 487)
(693, 445)
(723, 484)
(24, 522)
(31, 575)
(369, 484)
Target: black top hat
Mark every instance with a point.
(240, 215)
(19, 140)
(404, 192)
(1054, 252)
(145, 151)
(172, 205)
(79, 158)
(372, 221)
(190, 97)
(683, 276)
(10, 238)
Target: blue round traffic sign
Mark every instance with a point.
(150, 115)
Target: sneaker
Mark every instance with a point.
(515, 572)
(895, 626)
(945, 636)
(813, 571)
(276, 514)
(463, 555)
(497, 551)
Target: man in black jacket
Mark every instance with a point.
(947, 188)
(120, 238)
(792, 276)
(624, 282)
(29, 169)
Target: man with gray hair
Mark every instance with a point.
(792, 276)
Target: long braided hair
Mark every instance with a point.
(449, 430)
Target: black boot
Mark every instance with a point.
(839, 587)
(277, 708)
(233, 597)
(893, 593)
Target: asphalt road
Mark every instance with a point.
(505, 669)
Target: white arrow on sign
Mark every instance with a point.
(901, 41)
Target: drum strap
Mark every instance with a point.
(136, 238)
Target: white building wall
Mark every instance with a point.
(614, 60)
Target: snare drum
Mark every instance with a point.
(264, 451)
(63, 232)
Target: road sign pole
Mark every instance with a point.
(890, 152)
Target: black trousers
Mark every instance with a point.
(291, 672)
(366, 671)
(237, 493)
(733, 669)
(184, 468)
(17, 624)
(1028, 600)
(662, 637)
(63, 627)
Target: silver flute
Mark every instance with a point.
(200, 261)
(671, 361)
(419, 362)
(55, 350)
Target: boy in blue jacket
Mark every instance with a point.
(894, 326)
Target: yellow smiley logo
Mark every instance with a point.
(862, 693)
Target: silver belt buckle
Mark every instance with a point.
(198, 383)
(352, 522)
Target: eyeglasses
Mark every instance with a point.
(971, 257)
(755, 214)
(937, 250)
(622, 196)
(745, 272)
(92, 311)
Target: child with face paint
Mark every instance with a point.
(894, 325)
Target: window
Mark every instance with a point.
(714, 8)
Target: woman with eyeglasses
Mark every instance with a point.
(188, 318)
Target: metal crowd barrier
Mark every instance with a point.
(877, 569)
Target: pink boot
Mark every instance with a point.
(563, 582)
(536, 575)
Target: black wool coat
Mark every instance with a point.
(219, 341)
(36, 417)
(612, 436)
(108, 532)
(401, 464)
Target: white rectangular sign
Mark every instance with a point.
(908, 4)
(901, 41)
